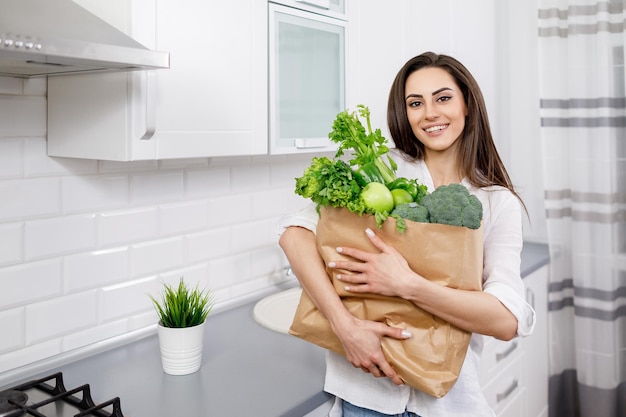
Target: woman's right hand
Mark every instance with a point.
(361, 341)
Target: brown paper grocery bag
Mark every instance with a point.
(450, 255)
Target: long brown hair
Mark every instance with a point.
(478, 157)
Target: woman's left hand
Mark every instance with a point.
(385, 273)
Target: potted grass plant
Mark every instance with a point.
(182, 313)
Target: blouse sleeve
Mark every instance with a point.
(502, 257)
(307, 217)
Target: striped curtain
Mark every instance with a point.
(583, 135)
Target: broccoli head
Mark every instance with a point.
(453, 204)
(411, 211)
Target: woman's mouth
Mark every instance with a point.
(437, 128)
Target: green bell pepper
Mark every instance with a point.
(414, 188)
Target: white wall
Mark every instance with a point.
(83, 242)
(496, 40)
(519, 101)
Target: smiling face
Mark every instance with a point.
(436, 109)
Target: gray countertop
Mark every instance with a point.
(246, 369)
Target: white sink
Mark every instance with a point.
(276, 311)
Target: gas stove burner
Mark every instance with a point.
(10, 401)
(47, 397)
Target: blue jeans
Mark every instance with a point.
(351, 410)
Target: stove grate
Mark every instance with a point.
(79, 397)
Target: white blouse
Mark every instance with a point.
(502, 223)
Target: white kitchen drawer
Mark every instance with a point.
(507, 385)
(497, 354)
(514, 407)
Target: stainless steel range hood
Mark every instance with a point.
(57, 37)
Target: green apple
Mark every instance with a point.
(377, 197)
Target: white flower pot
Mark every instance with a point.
(181, 348)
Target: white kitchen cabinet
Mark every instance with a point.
(307, 73)
(514, 374)
(211, 102)
(536, 346)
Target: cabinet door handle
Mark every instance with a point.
(504, 395)
(308, 143)
(150, 105)
(324, 4)
(503, 355)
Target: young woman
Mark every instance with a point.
(438, 122)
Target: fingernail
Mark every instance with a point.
(339, 250)
(406, 334)
(331, 264)
(346, 288)
(369, 232)
(339, 276)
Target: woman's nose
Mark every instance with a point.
(431, 112)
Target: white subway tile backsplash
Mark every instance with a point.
(11, 243)
(283, 173)
(81, 193)
(183, 217)
(58, 316)
(28, 198)
(37, 163)
(30, 354)
(142, 321)
(222, 298)
(206, 245)
(249, 286)
(95, 269)
(89, 240)
(156, 256)
(157, 187)
(12, 325)
(127, 299)
(60, 235)
(22, 115)
(11, 161)
(213, 181)
(251, 235)
(231, 209)
(123, 226)
(27, 283)
(250, 178)
(271, 262)
(268, 203)
(229, 270)
(193, 275)
(94, 334)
